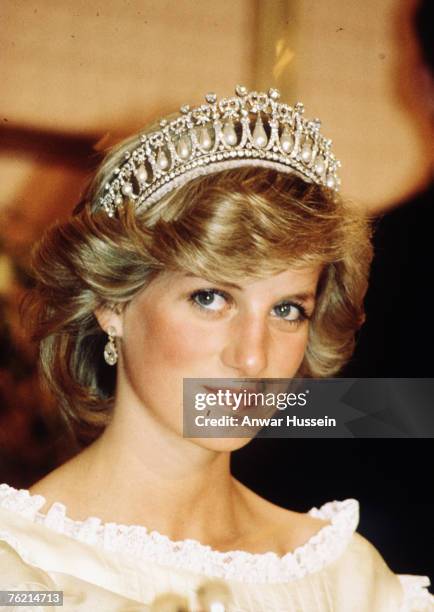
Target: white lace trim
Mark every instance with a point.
(320, 550)
(417, 598)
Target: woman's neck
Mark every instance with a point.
(138, 472)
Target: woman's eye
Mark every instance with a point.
(290, 312)
(209, 299)
(215, 301)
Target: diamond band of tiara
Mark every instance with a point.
(249, 129)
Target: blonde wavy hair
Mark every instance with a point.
(238, 223)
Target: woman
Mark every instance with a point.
(212, 245)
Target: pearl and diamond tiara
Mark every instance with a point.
(249, 129)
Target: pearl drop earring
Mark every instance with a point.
(110, 350)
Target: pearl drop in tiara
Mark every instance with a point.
(249, 129)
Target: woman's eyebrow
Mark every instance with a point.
(208, 280)
(303, 296)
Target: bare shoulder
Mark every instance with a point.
(57, 486)
(284, 529)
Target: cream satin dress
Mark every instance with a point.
(111, 567)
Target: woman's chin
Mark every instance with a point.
(221, 444)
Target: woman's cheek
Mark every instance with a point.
(174, 341)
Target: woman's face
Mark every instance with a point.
(182, 326)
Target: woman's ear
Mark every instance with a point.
(109, 316)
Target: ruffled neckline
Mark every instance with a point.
(321, 549)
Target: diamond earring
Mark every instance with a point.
(110, 351)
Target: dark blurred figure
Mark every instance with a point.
(397, 339)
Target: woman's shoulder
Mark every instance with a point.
(363, 566)
(52, 488)
(283, 529)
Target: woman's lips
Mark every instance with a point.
(240, 389)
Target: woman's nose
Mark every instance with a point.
(246, 349)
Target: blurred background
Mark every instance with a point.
(76, 75)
